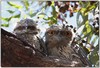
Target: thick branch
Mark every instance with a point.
(14, 54)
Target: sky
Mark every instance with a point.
(4, 13)
(35, 6)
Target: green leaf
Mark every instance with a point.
(87, 31)
(41, 15)
(33, 14)
(16, 16)
(52, 3)
(87, 7)
(54, 13)
(87, 28)
(10, 11)
(6, 19)
(82, 10)
(52, 21)
(5, 25)
(14, 5)
(26, 4)
(94, 57)
(45, 18)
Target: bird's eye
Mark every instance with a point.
(20, 28)
(68, 33)
(51, 32)
(31, 27)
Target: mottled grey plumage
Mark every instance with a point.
(58, 43)
(26, 30)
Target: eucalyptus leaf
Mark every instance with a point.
(5, 25)
(32, 14)
(87, 31)
(14, 5)
(26, 4)
(54, 13)
(94, 57)
(16, 16)
(6, 19)
(42, 15)
(10, 11)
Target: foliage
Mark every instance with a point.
(58, 12)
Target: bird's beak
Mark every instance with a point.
(58, 38)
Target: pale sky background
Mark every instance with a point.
(35, 6)
(4, 13)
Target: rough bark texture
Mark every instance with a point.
(14, 54)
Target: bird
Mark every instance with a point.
(58, 43)
(27, 30)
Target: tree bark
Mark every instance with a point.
(15, 54)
